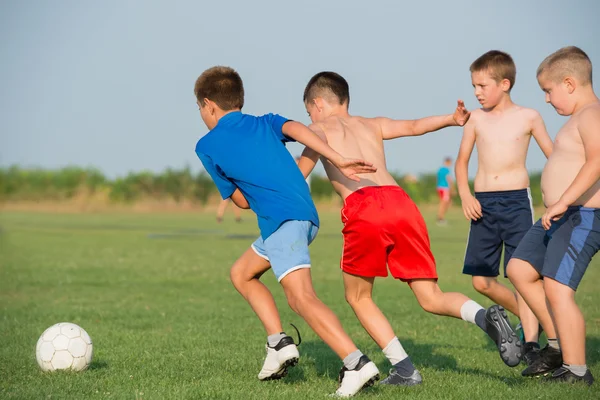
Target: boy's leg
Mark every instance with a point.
(523, 271)
(530, 286)
(514, 225)
(433, 300)
(304, 301)
(245, 275)
(574, 240)
(358, 294)
(492, 321)
(444, 204)
(221, 209)
(497, 292)
(569, 321)
(530, 330)
(482, 257)
(288, 252)
(358, 370)
(238, 213)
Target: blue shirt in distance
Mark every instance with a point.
(248, 152)
(442, 177)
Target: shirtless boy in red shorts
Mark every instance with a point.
(384, 228)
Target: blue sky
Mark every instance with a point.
(109, 84)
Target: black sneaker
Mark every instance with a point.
(547, 361)
(353, 380)
(499, 329)
(564, 375)
(395, 378)
(531, 352)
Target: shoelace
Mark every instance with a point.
(298, 332)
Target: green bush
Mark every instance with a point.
(178, 184)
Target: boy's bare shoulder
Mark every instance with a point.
(528, 113)
(589, 117)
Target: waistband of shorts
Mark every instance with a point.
(368, 191)
(518, 193)
(582, 208)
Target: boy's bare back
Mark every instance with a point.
(567, 158)
(502, 140)
(355, 137)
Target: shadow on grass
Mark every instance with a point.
(98, 365)
(592, 353)
(423, 355)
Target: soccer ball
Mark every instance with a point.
(64, 346)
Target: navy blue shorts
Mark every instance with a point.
(507, 216)
(564, 252)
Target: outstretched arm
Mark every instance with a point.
(350, 168)
(589, 174)
(309, 158)
(540, 134)
(470, 205)
(391, 129)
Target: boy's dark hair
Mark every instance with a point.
(328, 85)
(568, 61)
(222, 85)
(448, 159)
(498, 64)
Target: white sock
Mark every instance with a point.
(352, 359)
(469, 310)
(394, 351)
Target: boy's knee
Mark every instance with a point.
(236, 275)
(428, 302)
(483, 284)
(297, 299)
(428, 305)
(354, 298)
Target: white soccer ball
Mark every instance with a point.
(64, 346)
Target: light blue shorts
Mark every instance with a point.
(287, 248)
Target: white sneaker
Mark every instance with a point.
(352, 381)
(279, 358)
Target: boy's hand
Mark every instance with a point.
(471, 207)
(553, 213)
(461, 115)
(350, 168)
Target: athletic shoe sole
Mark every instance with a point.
(283, 371)
(507, 342)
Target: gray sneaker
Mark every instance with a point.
(396, 379)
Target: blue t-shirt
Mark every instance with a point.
(248, 153)
(442, 177)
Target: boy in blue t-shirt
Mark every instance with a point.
(444, 190)
(247, 159)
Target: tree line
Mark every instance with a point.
(37, 184)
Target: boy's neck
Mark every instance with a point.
(586, 98)
(340, 111)
(220, 113)
(502, 106)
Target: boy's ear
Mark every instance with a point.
(319, 103)
(570, 84)
(505, 84)
(210, 105)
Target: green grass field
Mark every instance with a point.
(153, 292)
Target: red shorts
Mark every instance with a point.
(444, 193)
(384, 228)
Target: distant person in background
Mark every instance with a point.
(221, 211)
(444, 190)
